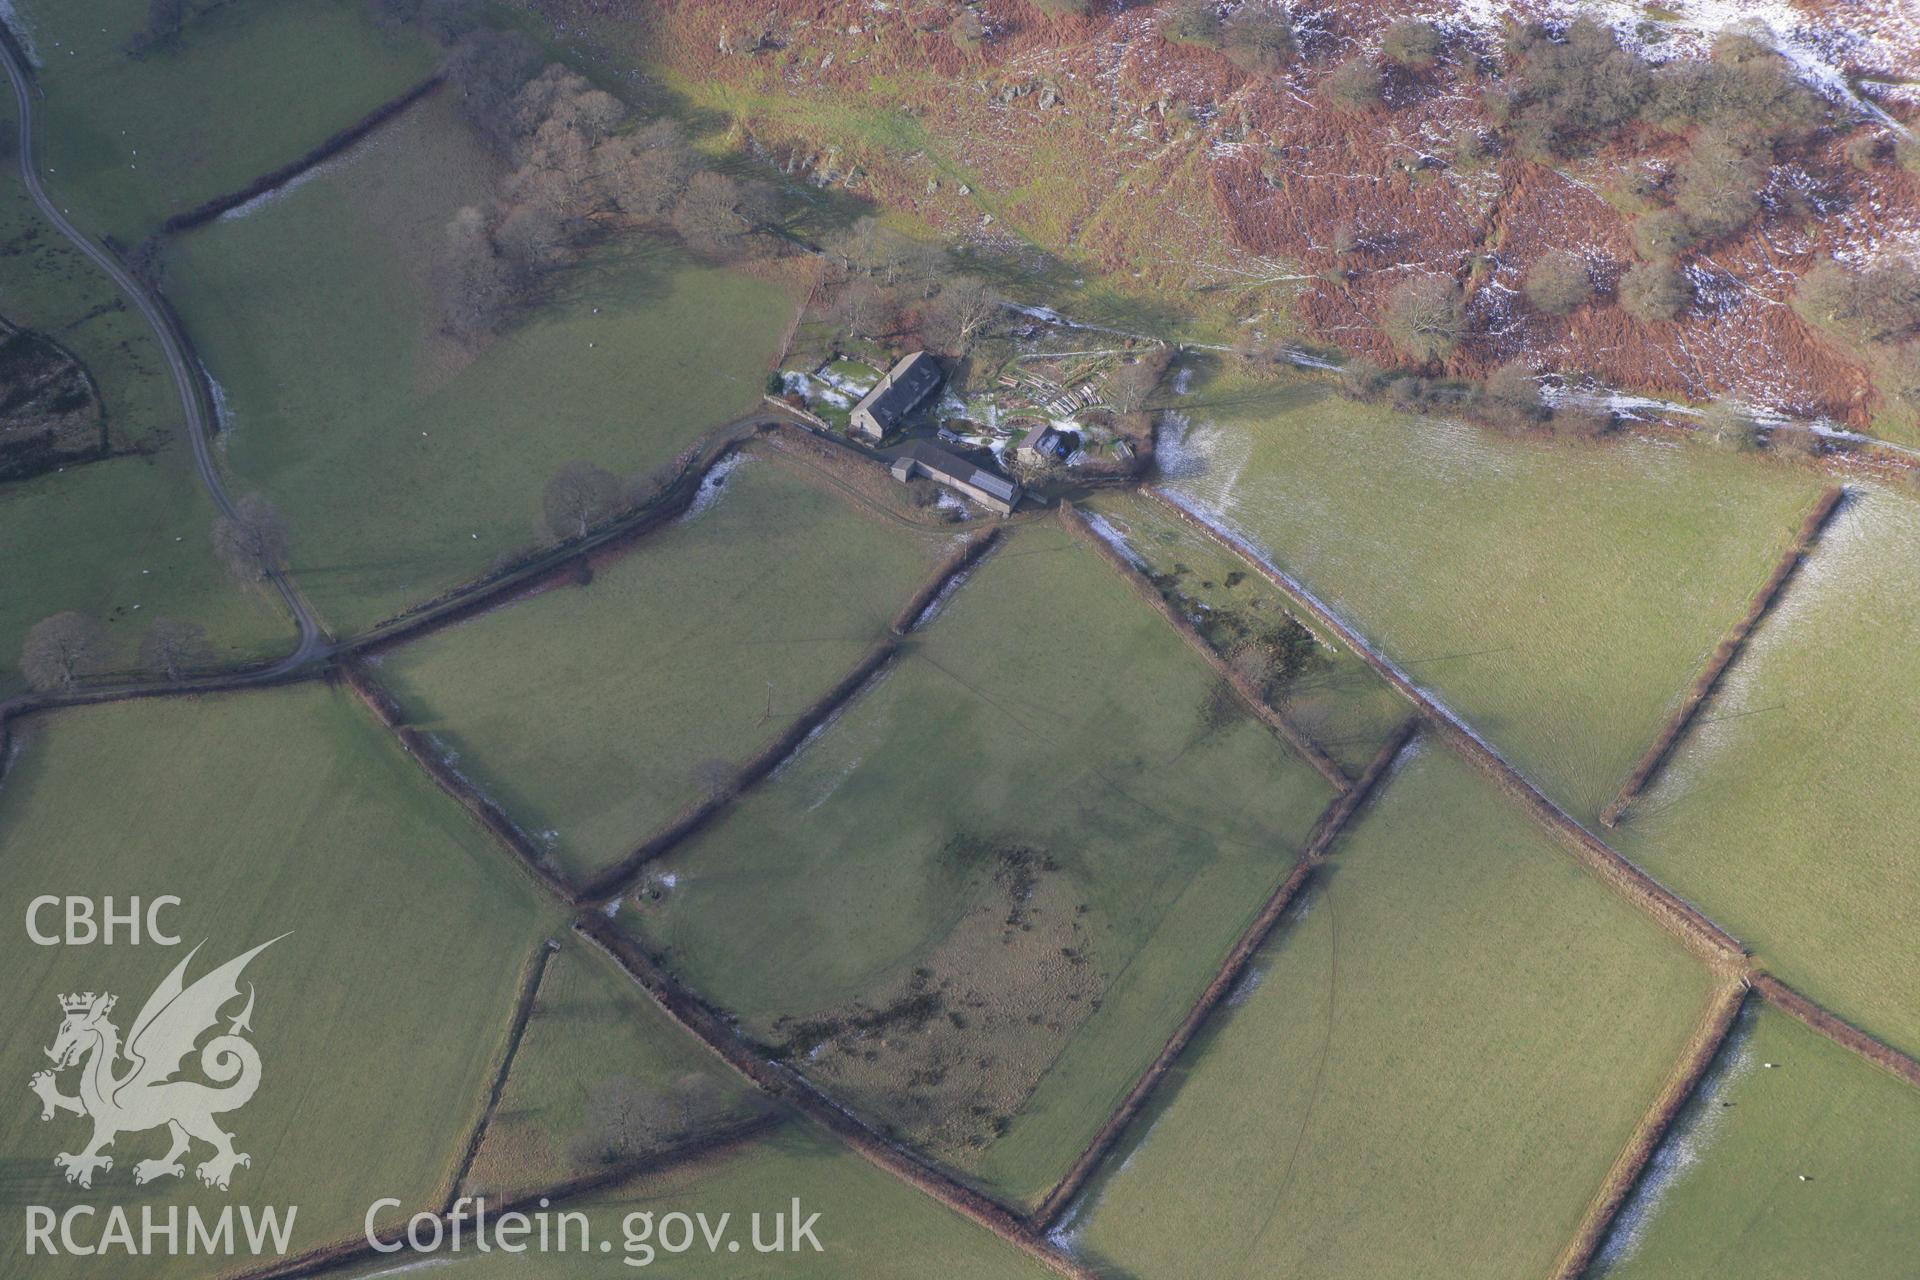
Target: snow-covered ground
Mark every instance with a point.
(1873, 36)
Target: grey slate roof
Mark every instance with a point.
(906, 385)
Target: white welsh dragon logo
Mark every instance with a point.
(145, 1096)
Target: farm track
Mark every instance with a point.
(187, 375)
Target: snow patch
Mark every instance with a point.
(1680, 1151)
(10, 14)
(713, 487)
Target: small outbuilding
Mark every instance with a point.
(992, 491)
(896, 395)
(1041, 446)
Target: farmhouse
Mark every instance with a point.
(994, 492)
(894, 396)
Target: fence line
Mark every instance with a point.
(490, 815)
(1325, 833)
(751, 1061)
(358, 1249)
(207, 210)
(1679, 916)
(1290, 733)
(1791, 1002)
(536, 970)
(1723, 1006)
(1729, 648)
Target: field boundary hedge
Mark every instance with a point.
(1290, 733)
(690, 820)
(933, 588)
(1791, 1002)
(207, 210)
(1729, 648)
(531, 976)
(1332, 823)
(355, 1249)
(562, 562)
(1723, 1006)
(1676, 914)
(450, 780)
(751, 1061)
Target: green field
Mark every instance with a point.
(1027, 846)
(872, 1226)
(377, 1018)
(428, 462)
(1337, 699)
(591, 1028)
(1558, 597)
(245, 87)
(1731, 1203)
(124, 539)
(1436, 1062)
(1789, 812)
(589, 712)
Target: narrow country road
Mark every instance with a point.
(313, 641)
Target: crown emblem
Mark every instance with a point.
(82, 1001)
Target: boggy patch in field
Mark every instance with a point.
(949, 1056)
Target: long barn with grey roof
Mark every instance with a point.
(992, 491)
(896, 395)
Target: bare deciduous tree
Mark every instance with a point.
(958, 312)
(1259, 38)
(718, 216)
(60, 649)
(1653, 291)
(1510, 397)
(645, 171)
(863, 307)
(578, 497)
(1558, 282)
(485, 68)
(171, 647)
(1426, 317)
(253, 541)
(1411, 43)
(475, 283)
(1355, 86)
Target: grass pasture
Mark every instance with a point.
(588, 711)
(1730, 1201)
(1029, 844)
(871, 1227)
(126, 538)
(378, 1017)
(1337, 699)
(1439, 1056)
(244, 88)
(1559, 598)
(428, 463)
(591, 1026)
(1789, 811)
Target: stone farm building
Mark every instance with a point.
(994, 492)
(895, 396)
